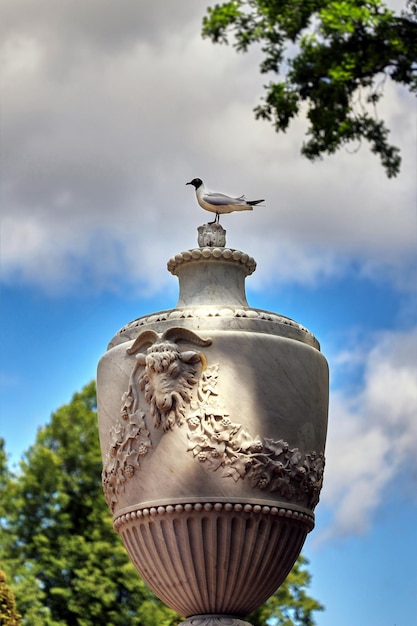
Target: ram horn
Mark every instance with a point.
(176, 333)
(147, 338)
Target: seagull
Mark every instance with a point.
(219, 203)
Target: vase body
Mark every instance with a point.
(212, 421)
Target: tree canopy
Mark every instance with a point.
(332, 58)
(64, 562)
(8, 613)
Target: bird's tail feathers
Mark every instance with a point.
(253, 202)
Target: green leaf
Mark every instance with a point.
(330, 55)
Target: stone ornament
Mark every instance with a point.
(206, 253)
(169, 374)
(211, 235)
(212, 420)
(167, 380)
(212, 558)
(151, 512)
(215, 620)
(214, 316)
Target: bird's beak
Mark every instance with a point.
(190, 183)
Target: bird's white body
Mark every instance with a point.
(220, 203)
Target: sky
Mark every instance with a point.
(107, 110)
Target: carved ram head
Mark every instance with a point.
(169, 373)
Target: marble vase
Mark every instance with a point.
(212, 420)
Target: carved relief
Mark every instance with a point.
(127, 331)
(178, 386)
(129, 442)
(167, 380)
(214, 254)
(270, 465)
(169, 374)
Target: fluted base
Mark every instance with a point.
(214, 620)
(214, 559)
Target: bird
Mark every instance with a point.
(220, 203)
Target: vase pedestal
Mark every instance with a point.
(214, 620)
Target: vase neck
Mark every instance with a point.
(212, 276)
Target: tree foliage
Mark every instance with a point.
(8, 613)
(332, 58)
(66, 564)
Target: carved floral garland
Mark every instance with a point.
(216, 442)
(129, 442)
(270, 465)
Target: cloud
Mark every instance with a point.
(109, 109)
(372, 434)
(102, 26)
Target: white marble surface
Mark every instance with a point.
(212, 420)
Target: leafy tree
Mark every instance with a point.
(11, 562)
(68, 566)
(332, 57)
(8, 613)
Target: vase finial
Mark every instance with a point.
(211, 235)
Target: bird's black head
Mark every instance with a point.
(196, 182)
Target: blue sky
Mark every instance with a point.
(107, 111)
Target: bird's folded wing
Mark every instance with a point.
(220, 199)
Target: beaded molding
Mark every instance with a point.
(154, 511)
(212, 254)
(213, 311)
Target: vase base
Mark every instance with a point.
(214, 620)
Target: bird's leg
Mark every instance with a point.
(216, 219)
